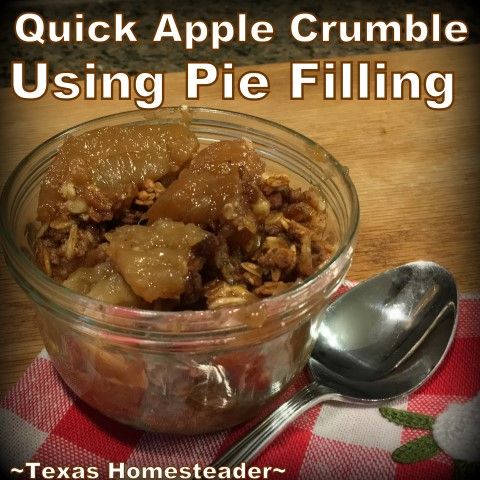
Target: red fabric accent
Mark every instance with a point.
(469, 318)
(431, 404)
(294, 441)
(84, 427)
(332, 460)
(40, 396)
(71, 455)
(424, 470)
(459, 375)
(176, 450)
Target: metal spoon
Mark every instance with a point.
(381, 340)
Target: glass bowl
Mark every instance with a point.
(193, 371)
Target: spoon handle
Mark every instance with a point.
(257, 439)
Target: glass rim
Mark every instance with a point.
(153, 315)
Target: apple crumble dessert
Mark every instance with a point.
(141, 216)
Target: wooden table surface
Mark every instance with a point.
(416, 170)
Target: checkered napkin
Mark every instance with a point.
(42, 421)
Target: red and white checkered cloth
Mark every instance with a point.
(42, 421)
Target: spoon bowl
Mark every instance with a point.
(387, 335)
(381, 340)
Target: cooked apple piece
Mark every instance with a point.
(197, 197)
(154, 260)
(220, 157)
(103, 283)
(214, 181)
(98, 173)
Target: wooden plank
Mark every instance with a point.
(416, 170)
